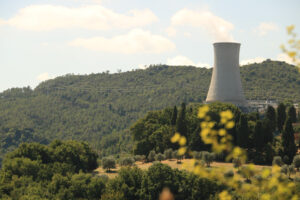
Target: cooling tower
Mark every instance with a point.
(225, 84)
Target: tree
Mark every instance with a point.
(292, 114)
(281, 116)
(267, 131)
(151, 156)
(288, 140)
(181, 126)
(108, 163)
(159, 157)
(139, 157)
(258, 135)
(168, 154)
(127, 161)
(277, 160)
(296, 162)
(288, 169)
(271, 116)
(174, 116)
(243, 132)
(177, 156)
(208, 158)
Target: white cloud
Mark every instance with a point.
(171, 31)
(252, 60)
(49, 17)
(265, 27)
(185, 61)
(136, 41)
(45, 44)
(217, 27)
(43, 77)
(187, 34)
(2, 22)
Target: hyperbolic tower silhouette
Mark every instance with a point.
(225, 84)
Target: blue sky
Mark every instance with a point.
(45, 39)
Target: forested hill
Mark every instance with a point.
(99, 107)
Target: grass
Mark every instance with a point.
(172, 163)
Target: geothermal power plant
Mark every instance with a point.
(225, 84)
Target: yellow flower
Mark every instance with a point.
(182, 151)
(265, 197)
(202, 111)
(229, 125)
(175, 138)
(226, 114)
(224, 195)
(290, 29)
(292, 54)
(295, 197)
(204, 125)
(265, 173)
(223, 120)
(222, 132)
(237, 151)
(211, 124)
(205, 132)
(182, 141)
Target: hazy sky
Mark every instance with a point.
(42, 39)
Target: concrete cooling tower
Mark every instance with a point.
(225, 84)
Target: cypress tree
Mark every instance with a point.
(242, 132)
(174, 116)
(181, 121)
(258, 135)
(271, 116)
(281, 116)
(267, 131)
(288, 140)
(292, 114)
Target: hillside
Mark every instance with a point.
(98, 108)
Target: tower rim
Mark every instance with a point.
(220, 43)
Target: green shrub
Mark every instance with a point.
(277, 160)
(151, 156)
(296, 161)
(127, 161)
(159, 157)
(108, 163)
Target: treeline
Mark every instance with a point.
(62, 170)
(99, 108)
(263, 136)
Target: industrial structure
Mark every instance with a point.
(225, 84)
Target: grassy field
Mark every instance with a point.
(173, 164)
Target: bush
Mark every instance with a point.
(108, 163)
(178, 157)
(237, 162)
(197, 155)
(296, 161)
(127, 161)
(159, 157)
(277, 160)
(168, 154)
(229, 174)
(151, 156)
(286, 159)
(139, 157)
(284, 169)
(208, 158)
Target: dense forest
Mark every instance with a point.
(262, 136)
(99, 108)
(63, 170)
